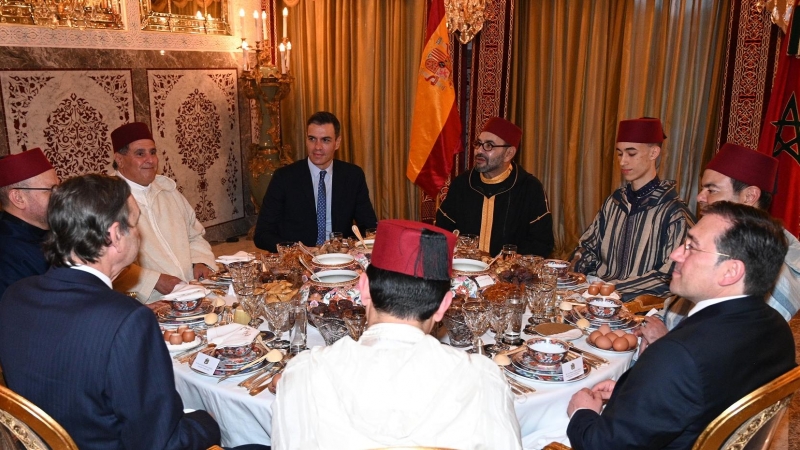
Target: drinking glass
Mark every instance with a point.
(457, 329)
(476, 314)
(517, 307)
(509, 252)
(335, 241)
(467, 245)
(539, 295)
(251, 304)
(269, 261)
(356, 321)
(243, 276)
(279, 315)
(499, 316)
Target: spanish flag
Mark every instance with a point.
(780, 132)
(435, 125)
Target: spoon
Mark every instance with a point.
(456, 233)
(358, 235)
(305, 264)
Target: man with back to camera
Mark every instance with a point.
(397, 386)
(741, 175)
(90, 357)
(310, 198)
(173, 248)
(26, 180)
(498, 200)
(639, 225)
(731, 343)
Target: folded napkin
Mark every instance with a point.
(231, 335)
(183, 292)
(568, 335)
(240, 256)
(613, 295)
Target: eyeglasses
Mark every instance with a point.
(36, 189)
(687, 245)
(488, 146)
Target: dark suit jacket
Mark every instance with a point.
(289, 212)
(688, 377)
(95, 360)
(20, 250)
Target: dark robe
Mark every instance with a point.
(20, 250)
(521, 214)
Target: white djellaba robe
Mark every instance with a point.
(171, 239)
(396, 386)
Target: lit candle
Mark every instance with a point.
(263, 25)
(285, 16)
(245, 66)
(255, 24)
(241, 22)
(199, 15)
(288, 53)
(282, 48)
(208, 17)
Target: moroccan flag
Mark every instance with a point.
(780, 133)
(435, 125)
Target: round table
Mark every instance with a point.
(245, 419)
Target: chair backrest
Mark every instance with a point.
(743, 420)
(31, 426)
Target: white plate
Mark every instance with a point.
(185, 346)
(335, 276)
(333, 259)
(469, 265)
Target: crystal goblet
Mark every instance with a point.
(499, 317)
(476, 314)
(279, 316)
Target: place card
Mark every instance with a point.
(572, 369)
(206, 364)
(484, 280)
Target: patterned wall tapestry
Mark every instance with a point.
(195, 121)
(69, 114)
(749, 70)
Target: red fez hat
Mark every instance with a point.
(504, 129)
(746, 165)
(645, 130)
(20, 167)
(413, 248)
(128, 133)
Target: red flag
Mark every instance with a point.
(780, 133)
(435, 124)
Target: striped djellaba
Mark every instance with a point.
(634, 248)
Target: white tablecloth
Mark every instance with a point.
(248, 420)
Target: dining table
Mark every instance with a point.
(246, 419)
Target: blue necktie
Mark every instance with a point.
(321, 202)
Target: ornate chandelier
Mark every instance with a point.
(465, 16)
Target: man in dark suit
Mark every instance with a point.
(311, 198)
(731, 343)
(90, 357)
(25, 183)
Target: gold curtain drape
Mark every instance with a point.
(580, 66)
(358, 59)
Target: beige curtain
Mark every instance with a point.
(580, 66)
(358, 59)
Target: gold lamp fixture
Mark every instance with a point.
(466, 17)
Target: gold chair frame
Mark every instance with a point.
(734, 428)
(30, 417)
(741, 421)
